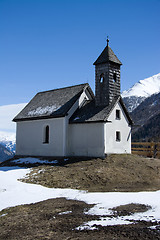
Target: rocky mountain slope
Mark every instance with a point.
(147, 117)
(5, 153)
(150, 131)
(7, 145)
(8, 140)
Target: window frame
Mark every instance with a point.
(118, 136)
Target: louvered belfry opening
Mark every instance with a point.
(107, 77)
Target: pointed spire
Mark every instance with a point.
(107, 40)
(107, 55)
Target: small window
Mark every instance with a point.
(46, 134)
(114, 77)
(118, 136)
(118, 115)
(102, 78)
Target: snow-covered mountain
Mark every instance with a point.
(140, 91)
(5, 154)
(8, 129)
(144, 88)
(8, 140)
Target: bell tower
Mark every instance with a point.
(107, 77)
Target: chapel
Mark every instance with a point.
(73, 121)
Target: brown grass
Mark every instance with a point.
(114, 173)
(57, 219)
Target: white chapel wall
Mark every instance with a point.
(86, 139)
(68, 136)
(122, 126)
(30, 138)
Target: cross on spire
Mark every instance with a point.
(107, 40)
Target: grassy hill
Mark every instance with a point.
(114, 173)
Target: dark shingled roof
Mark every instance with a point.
(51, 104)
(106, 56)
(89, 113)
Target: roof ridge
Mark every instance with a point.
(64, 88)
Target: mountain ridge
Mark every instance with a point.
(135, 95)
(144, 88)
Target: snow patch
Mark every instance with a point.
(30, 160)
(17, 193)
(41, 111)
(77, 118)
(3, 215)
(67, 212)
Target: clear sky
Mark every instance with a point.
(47, 44)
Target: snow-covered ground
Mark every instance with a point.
(35, 160)
(8, 140)
(14, 192)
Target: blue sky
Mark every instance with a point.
(47, 44)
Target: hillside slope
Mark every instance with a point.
(150, 131)
(71, 214)
(119, 172)
(147, 116)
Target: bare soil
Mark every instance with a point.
(114, 173)
(129, 209)
(58, 219)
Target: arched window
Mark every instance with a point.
(102, 78)
(46, 134)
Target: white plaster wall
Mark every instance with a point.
(86, 139)
(29, 138)
(84, 96)
(122, 125)
(30, 134)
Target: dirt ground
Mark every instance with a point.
(58, 219)
(114, 173)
